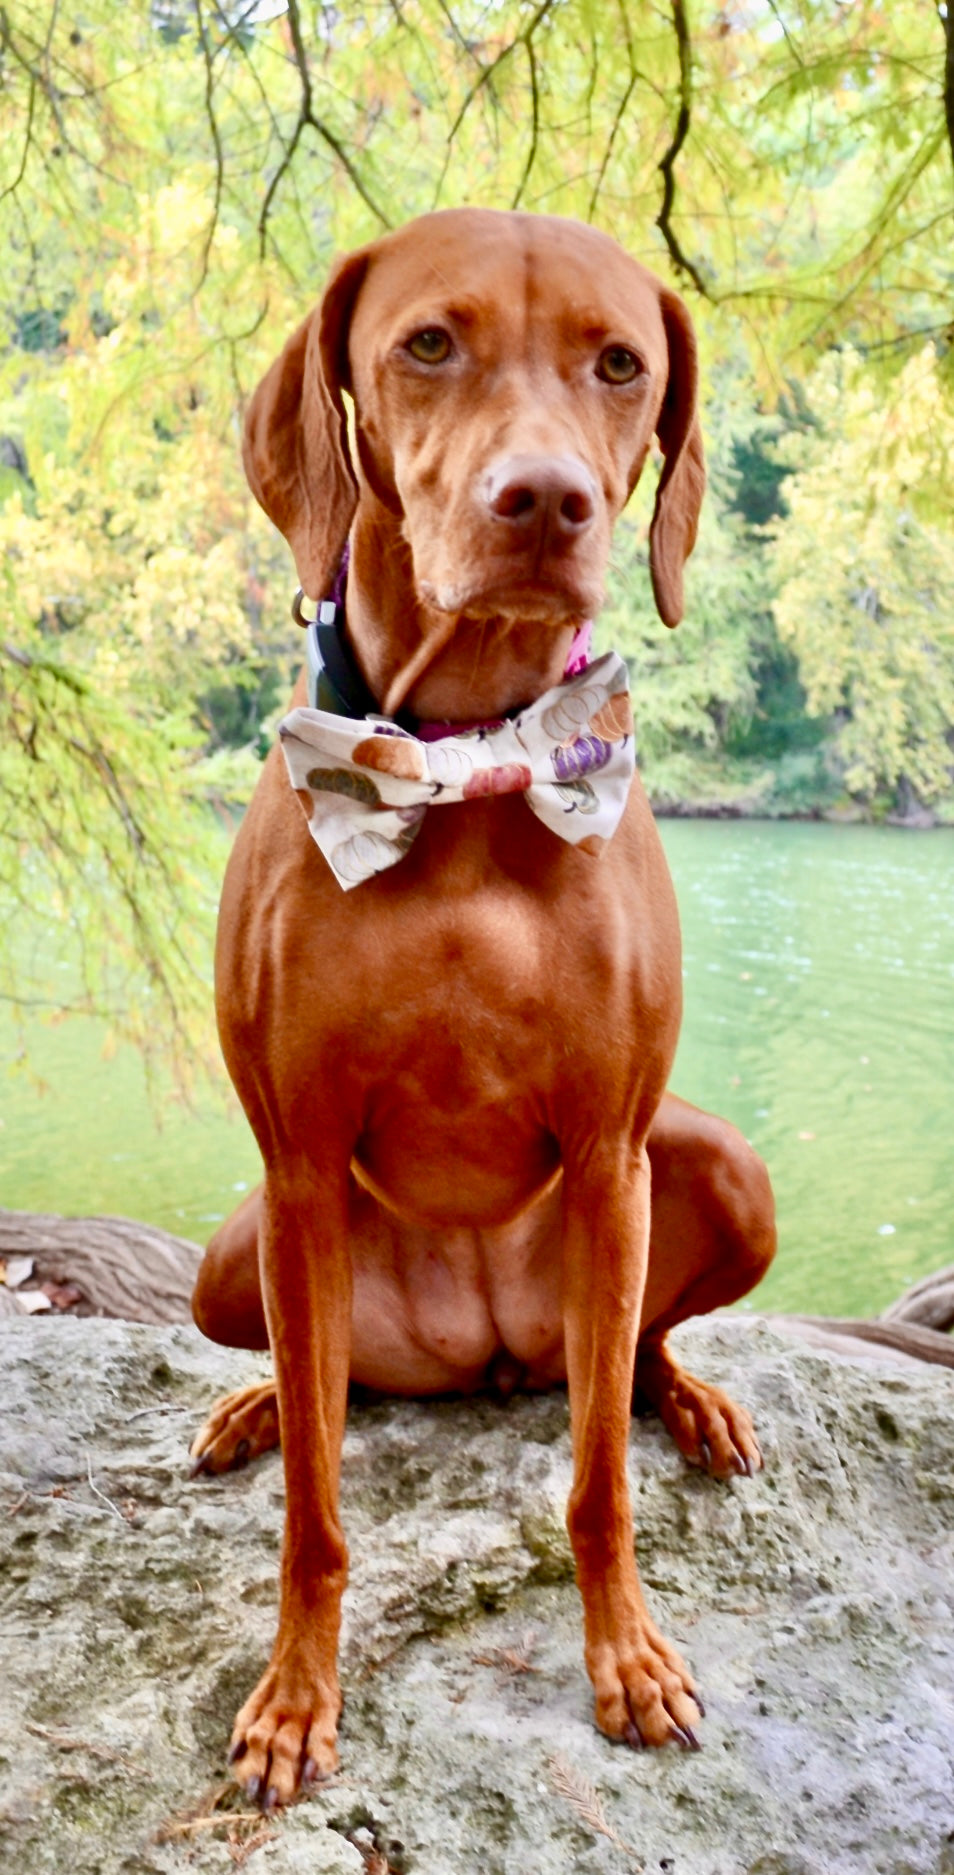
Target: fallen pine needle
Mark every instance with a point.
(588, 1804)
(225, 1819)
(207, 1814)
(240, 1851)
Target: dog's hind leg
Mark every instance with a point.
(227, 1306)
(389, 1353)
(712, 1239)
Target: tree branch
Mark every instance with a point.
(667, 166)
(947, 20)
(307, 119)
(618, 115)
(534, 124)
(216, 145)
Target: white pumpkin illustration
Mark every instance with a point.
(449, 764)
(363, 855)
(565, 719)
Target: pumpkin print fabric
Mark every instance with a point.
(367, 785)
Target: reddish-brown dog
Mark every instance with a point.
(456, 1071)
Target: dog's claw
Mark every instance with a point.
(242, 1451)
(706, 1451)
(686, 1736)
(312, 1775)
(270, 1801)
(698, 1699)
(252, 1789)
(634, 1738)
(237, 1751)
(199, 1465)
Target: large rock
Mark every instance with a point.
(813, 1603)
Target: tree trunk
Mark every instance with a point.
(838, 1335)
(128, 1270)
(930, 1302)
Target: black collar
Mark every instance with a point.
(335, 683)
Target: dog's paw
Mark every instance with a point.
(644, 1691)
(710, 1429)
(283, 1740)
(241, 1426)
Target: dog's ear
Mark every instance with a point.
(295, 447)
(672, 534)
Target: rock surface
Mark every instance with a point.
(813, 1603)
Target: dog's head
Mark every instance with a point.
(508, 373)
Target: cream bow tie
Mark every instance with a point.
(367, 785)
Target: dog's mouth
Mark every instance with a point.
(556, 595)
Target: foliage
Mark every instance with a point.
(692, 686)
(866, 576)
(136, 580)
(790, 159)
(174, 178)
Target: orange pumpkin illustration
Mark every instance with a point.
(391, 755)
(614, 722)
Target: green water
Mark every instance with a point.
(819, 966)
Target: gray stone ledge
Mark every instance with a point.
(813, 1603)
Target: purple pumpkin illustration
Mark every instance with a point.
(581, 757)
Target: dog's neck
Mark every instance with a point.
(439, 666)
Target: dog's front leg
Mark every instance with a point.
(285, 1733)
(644, 1693)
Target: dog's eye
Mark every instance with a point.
(618, 365)
(430, 347)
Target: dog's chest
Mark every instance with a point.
(462, 1005)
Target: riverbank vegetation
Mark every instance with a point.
(174, 180)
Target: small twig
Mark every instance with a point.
(58, 1496)
(61, 1741)
(101, 1494)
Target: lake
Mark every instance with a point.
(819, 982)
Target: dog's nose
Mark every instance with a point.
(553, 493)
